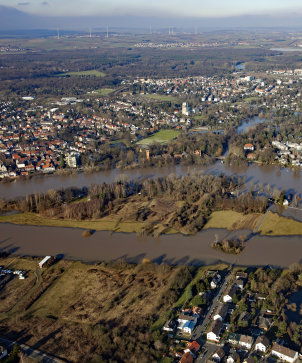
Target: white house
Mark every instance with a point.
(246, 341)
(215, 280)
(188, 327)
(233, 357)
(214, 331)
(218, 356)
(284, 353)
(262, 344)
(231, 291)
(221, 312)
(186, 323)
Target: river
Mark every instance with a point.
(254, 174)
(171, 249)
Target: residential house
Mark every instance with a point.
(240, 283)
(262, 344)
(186, 358)
(234, 338)
(221, 312)
(218, 356)
(231, 291)
(286, 354)
(214, 331)
(193, 347)
(215, 280)
(246, 341)
(233, 357)
(249, 147)
(170, 325)
(186, 323)
(265, 322)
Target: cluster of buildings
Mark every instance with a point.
(211, 89)
(288, 152)
(5, 272)
(245, 345)
(177, 44)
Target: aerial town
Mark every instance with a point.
(239, 323)
(33, 135)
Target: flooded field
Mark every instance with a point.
(173, 249)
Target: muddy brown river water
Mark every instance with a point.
(255, 175)
(172, 249)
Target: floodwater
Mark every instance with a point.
(264, 175)
(287, 49)
(248, 124)
(239, 66)
(172, 249)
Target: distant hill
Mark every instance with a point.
(12, 19)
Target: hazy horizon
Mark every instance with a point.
(36, 14)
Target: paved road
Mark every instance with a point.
(30, 352)
(211, 348)
(201, 328)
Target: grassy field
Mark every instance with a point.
(162, 98)
(274, 225)
(91, 73)
(233, 220)
(161, 137)
(104, 91)
(104, 224)
(124, 220)
(84, 313)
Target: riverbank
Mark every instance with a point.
(270, 224)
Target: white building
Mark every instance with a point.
(279, 145)
(185, 109)
(186, 323)
(221, 312)
(45, 259)
(262, 344)
(228, 296)
(71, 160)
(214, 331)
(284, 353)
(246, 341)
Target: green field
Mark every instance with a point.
(104, 224)
(162, 98)
(161, 137)
(91, 73)
(232, 220)
(271, 225)
(275, 225)
(103, 91)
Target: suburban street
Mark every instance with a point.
(201, 328)
(37, 355)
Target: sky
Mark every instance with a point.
(166, 8)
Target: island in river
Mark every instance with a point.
(185, 214)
